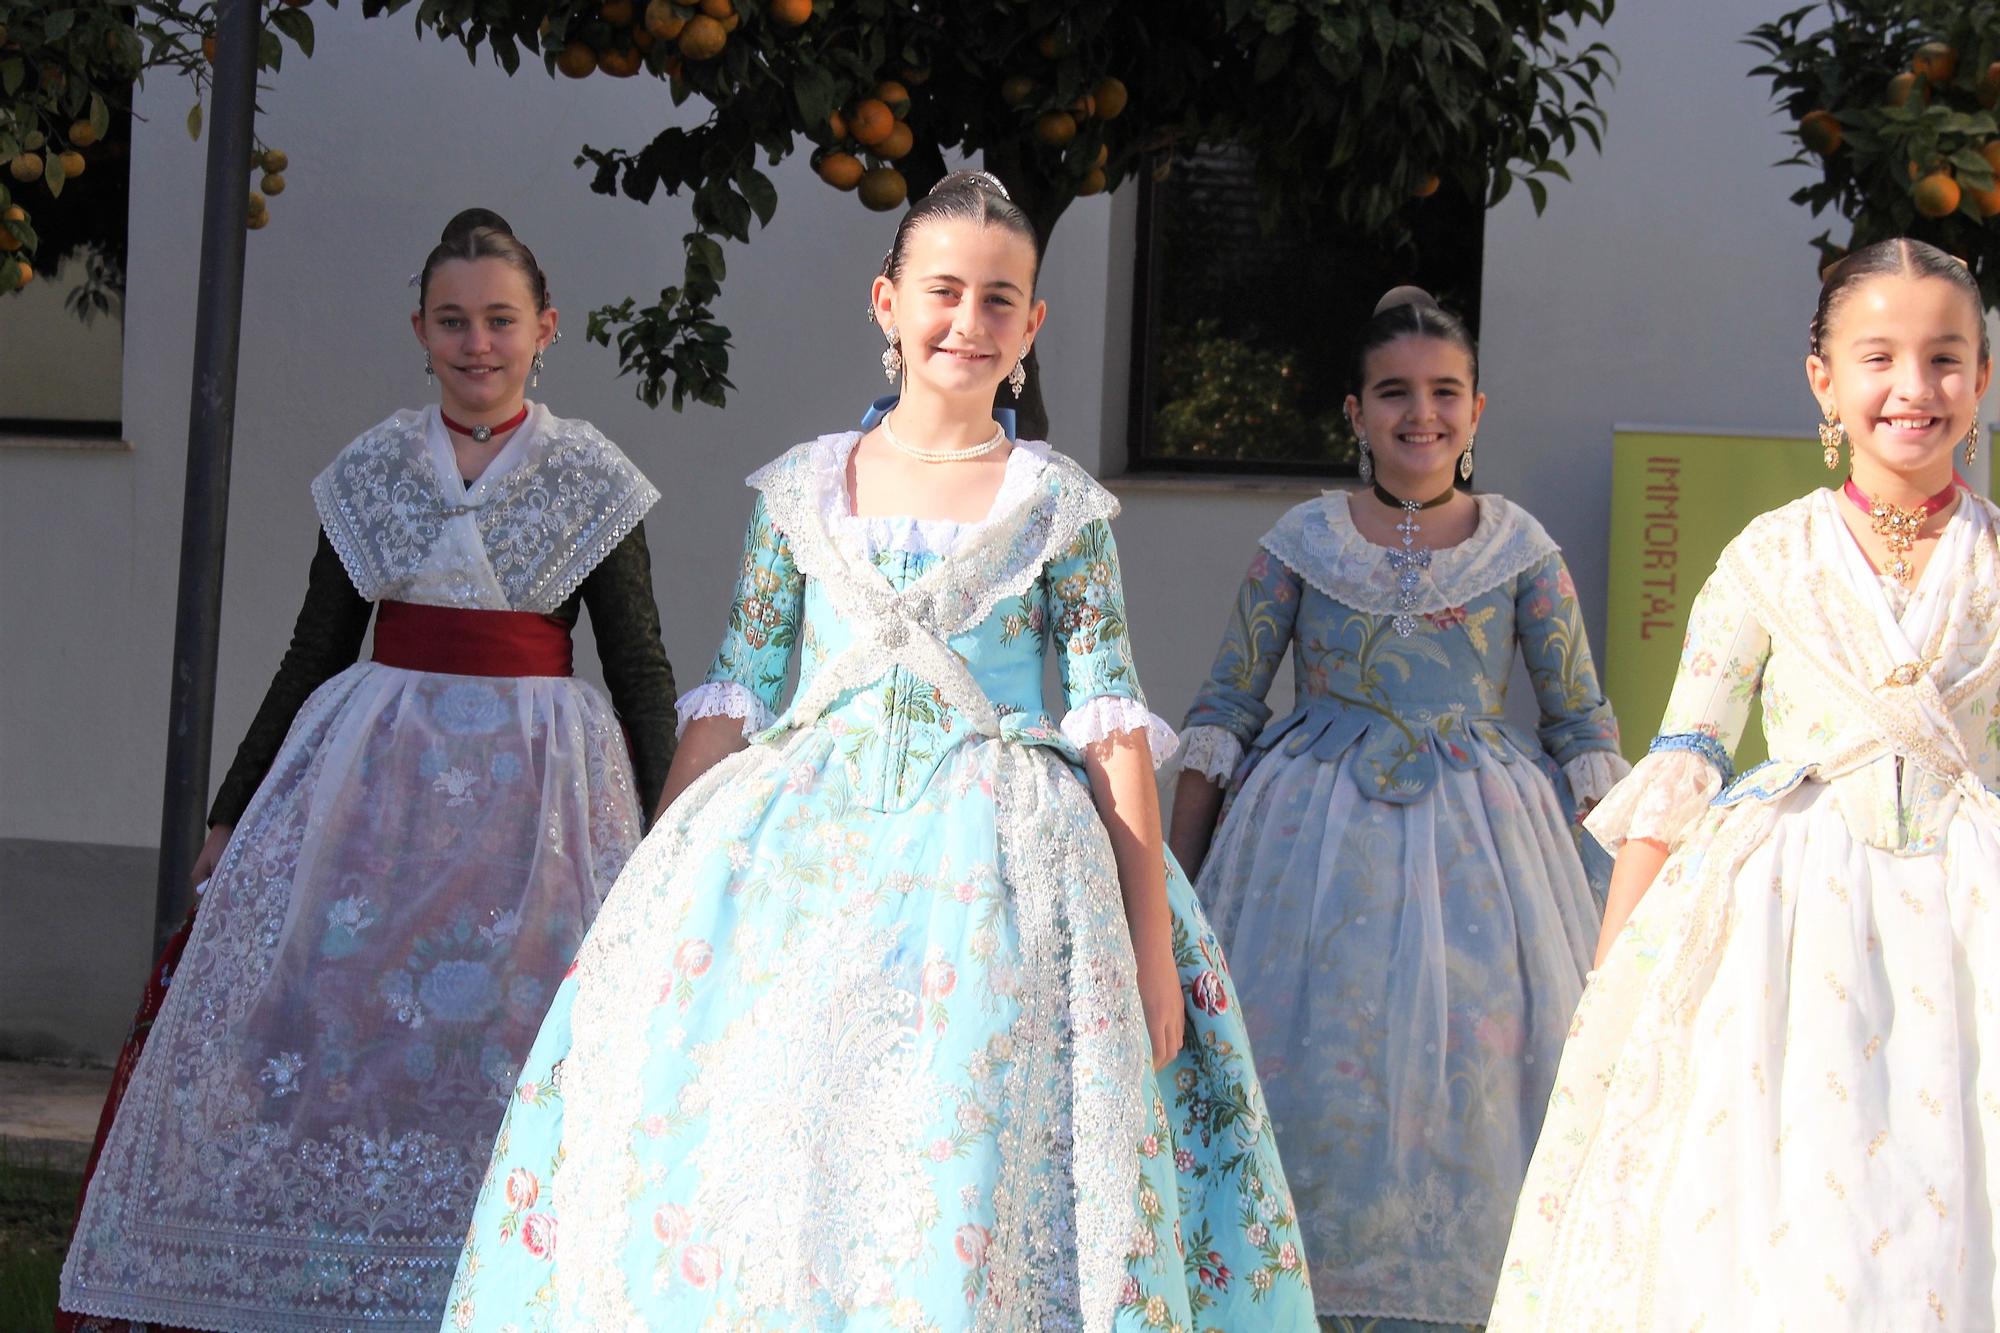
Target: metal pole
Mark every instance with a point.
(211, 427)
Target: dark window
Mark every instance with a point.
(1243, 327)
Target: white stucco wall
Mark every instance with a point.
(1671, 283)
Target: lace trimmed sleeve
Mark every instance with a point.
(1229, 710)
(756, 653)
(1086, 614)
(1665, 792)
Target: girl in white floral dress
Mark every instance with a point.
(1775, 1109)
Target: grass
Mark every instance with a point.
(37, 1207)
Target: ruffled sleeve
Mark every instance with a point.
(1689, 762)
(1086, 610)
(1594, 773)
(1229, 710)
(748, 676)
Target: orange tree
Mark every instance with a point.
(67, 71)
(1894, 103)
(1360, 108)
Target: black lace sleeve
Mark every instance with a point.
(325, 641)
(626, 620)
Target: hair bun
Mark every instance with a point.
(1406, 295)
(469, 220)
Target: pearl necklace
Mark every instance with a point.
(942, 455)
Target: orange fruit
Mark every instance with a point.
(1111, 98)
(703, 38)
(1103, 155)
(1936, 195)
(883, 188)
(1426, 187)
(791, 13)
(1935, 61)
(8, 240)
(208, 48)
(14, 213)
(1900, 89)
(273, 184)
(274, 161)
(1988, 91)
(1016, 89)
(26, 167)
(840, 170)
(663, 20)
(836, 124)
(718, 9)
(1055, 128)
(1987, 201)
(1052, 44)
(257, 203)
(24, 273)
(618, 13)
(83, 134)
(893, 95)
(1990, 150)
(1084, 107)
(72, 163)
(257, 221)
(577, 60)
(642, 41)
(870, 122)
(621, 64)
(1820, 131)
(916, 75)
(732, 23)
(1092, 183)
(900, 141)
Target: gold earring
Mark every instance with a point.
(1831, 433)
(1972, 442)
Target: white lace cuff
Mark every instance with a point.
(724, 698)
(1105, 715)
(1212, 752)
(1665, 792)
(1594, 773)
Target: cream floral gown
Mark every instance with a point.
(856, 1044)
(1774, 1110)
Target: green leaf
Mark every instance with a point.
(194, 121)
(100, 115)
(53, 174)
(761, 194)
(57, 25)
(11, 73)
(270, 51)
(297, 25)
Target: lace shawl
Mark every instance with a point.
(553, 503)
(1319, 540)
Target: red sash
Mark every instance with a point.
(457, 642)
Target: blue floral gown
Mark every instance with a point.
(1397, 879)
(856, 1043)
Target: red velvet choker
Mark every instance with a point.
(484, 433)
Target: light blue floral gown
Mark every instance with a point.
(856, 1043)
(1397, 880)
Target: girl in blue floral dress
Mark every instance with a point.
(901, 1018)
(1397, 876)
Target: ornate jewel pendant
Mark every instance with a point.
(482, 433)
(1899, 529)
(1409, 564)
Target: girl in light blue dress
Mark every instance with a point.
(1397, 877)
(902, 1018)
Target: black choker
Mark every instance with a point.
(1396, 502)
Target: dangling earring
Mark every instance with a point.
(1017, 378)
(1972, 442)
(1831, 432)
(892, 359)
(1367, 465)
(430, 375)
(1465, 460)
(535, 374)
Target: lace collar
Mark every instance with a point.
(1319, 541)
(865, 534)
